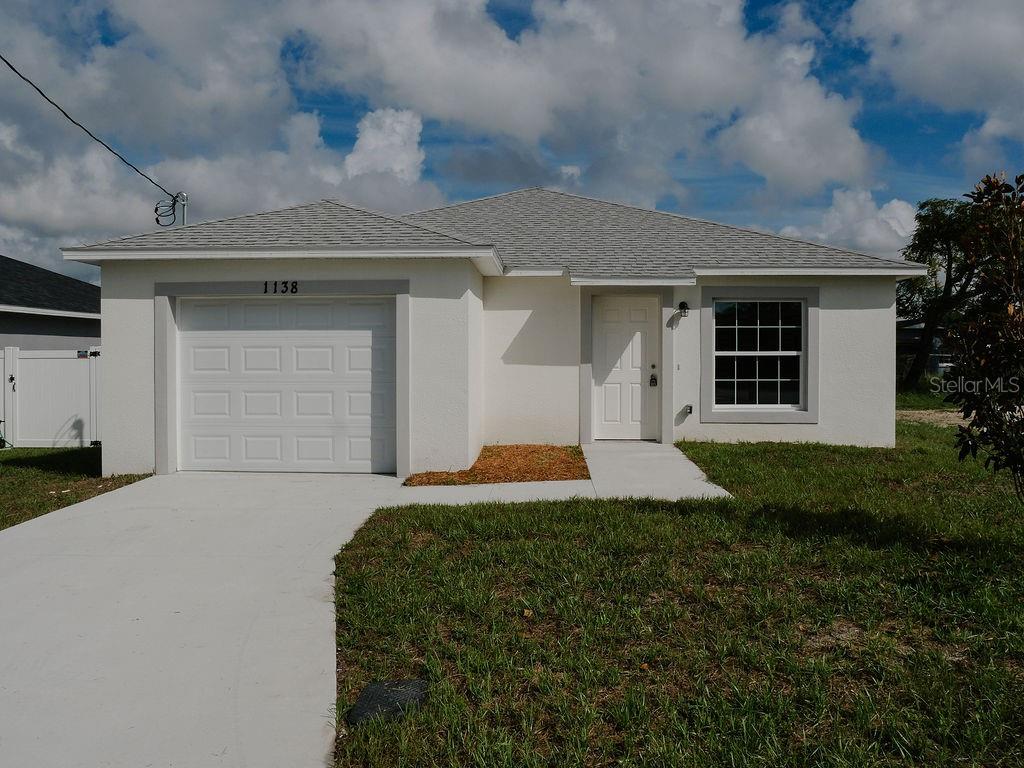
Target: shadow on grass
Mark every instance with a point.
(854, 525)
(61, 461)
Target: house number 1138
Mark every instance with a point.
(280, 286)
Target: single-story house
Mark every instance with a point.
(327, 337)
(40, 309)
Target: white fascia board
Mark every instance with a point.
(485, 259)
(632, 281)
(896, 271)
(15, 309)
(535, 272)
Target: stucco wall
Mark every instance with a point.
(857, 337)
(47, 332)
(531, 360)
(441, 295)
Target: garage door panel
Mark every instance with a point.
(288, 384)
(353, 450)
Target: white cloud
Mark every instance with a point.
(796, 135)
(388, 142)
(856, 221)
(630, 85)
(198, 90)
(954, 54)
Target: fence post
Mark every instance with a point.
(94, 394)
(10, 385)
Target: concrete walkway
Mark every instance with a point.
(633, 468)
(188, 620)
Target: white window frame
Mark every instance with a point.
(800, 353)
(807, 410)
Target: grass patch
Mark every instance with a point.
(34, 481)
(514, 464)
(922, 400)
(858, 607)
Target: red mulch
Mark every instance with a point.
(514, 464)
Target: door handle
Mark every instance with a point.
(654, 380)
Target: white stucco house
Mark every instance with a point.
(329, 338)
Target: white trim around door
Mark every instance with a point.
(627, 375)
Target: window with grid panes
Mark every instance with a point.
(759, 353)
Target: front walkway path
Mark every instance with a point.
(635, 468)
(188, 620)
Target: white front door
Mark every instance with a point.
(626, 354)
(287, 385)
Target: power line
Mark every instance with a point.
(165, 209)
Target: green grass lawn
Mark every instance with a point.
(34, 481)
(922, 400)
(851, 607)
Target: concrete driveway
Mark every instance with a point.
(187, 620)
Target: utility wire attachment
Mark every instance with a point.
(165, 208)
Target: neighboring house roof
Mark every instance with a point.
(24, 285)
(538, 229)
(325, 224)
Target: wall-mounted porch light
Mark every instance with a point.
(684, 309)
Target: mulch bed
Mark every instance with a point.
(514, 464)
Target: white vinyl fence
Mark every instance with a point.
(51, 398)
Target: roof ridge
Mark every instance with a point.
(744, 230)
(123, 238)
(476, 200)
(437, 231)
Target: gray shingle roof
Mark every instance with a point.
(26, 285)
(326, 224)
(546, 229)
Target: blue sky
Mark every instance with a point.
(827, 120)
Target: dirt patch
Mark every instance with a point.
(514, 464)
(939, 418)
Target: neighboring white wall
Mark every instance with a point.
(441, 294)
(531, 360)
(857, 368)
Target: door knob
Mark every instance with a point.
(654, 380)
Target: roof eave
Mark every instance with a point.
(583, 280)
(896, 270)
(17, 309)
(486, 259)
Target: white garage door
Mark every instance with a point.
(287, 385)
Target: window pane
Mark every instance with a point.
(725, 393)
(769, 339)
(789, 392)
(767, 367)
(725, 313)
(746, 392)
(747, 339)
(792, 340)
(725, 367)
(746, 313)
(789, 367)
(746, 367)
(768, 392)
(768, 313)
(791, 314)
(725, 339)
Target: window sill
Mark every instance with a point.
(757, 416)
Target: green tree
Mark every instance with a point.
(939, 298)
(988, 347)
